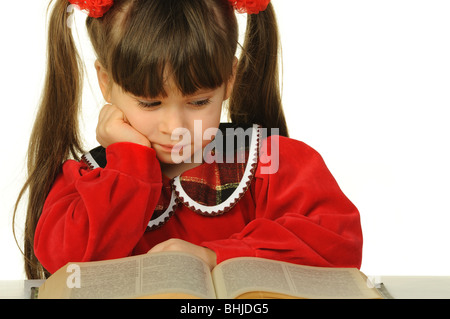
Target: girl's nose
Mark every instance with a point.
(172, 120)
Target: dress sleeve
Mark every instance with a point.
(302, 216)
(102, 213)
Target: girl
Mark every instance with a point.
(162, 66)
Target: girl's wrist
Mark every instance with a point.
(123, 156)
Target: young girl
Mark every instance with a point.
(166, 65)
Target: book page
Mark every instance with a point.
(238, 276)
(320, 282)
(165, 273)
(105, 280)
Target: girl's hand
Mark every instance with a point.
(113, 127)
(208, 255)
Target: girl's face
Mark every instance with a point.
(174, 124)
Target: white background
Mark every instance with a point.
(366, 83)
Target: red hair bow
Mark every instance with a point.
(95, 8)
(250, 6)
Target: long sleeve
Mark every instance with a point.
(102, 213)
(301, 216)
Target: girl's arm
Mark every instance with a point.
(302, 216)
(102, 213)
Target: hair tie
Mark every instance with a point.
(95, 8)
(249, 6)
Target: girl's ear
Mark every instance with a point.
(230, 83)
(103, 81)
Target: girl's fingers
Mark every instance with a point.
(113, 128)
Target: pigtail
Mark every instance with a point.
(55, 135)
(256, 96)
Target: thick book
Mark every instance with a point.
(182, 276)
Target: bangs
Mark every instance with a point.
(180, 40)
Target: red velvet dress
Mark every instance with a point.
(118, 204)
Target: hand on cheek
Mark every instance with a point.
(113, 128)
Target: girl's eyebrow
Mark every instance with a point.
(204, 90)
(147, 98)
(157, 98)
(201, 91)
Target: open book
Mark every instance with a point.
(180, 275)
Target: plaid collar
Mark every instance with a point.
(214, 187)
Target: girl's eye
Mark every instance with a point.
(200, 103)
(149, 105)
(155, 104)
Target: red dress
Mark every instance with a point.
(286, 208)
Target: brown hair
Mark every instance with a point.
(138, 42)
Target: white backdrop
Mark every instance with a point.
(366, 83)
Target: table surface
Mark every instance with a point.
(397, 287)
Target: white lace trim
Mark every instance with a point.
(155, 223)
(90, 161)
(237, 194)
